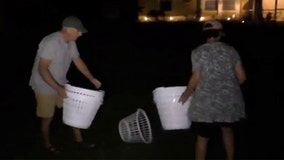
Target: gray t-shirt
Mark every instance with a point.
(217, 97)
(61, 53)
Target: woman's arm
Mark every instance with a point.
(240, 73)
(192, 83)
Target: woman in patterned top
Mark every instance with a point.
(217, 100)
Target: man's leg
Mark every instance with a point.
(78, 138)
(45, 110)
(77, 135)
(45, 126)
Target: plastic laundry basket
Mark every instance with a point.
(80, 106)
(173, 114)
(136, 128)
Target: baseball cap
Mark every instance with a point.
(212, 24)
(74, 22)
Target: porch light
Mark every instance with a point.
(146, 18)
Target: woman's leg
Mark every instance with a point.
(228, 139)
(201, 148)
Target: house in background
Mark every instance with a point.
(273, 8)
(182, 10)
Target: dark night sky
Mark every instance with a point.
(25, 22)
(16, 13)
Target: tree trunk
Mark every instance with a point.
(258, 17)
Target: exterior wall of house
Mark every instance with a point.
(233, 14)
(187, 9)
(148, 5)
(246, 8)
(183, 7)
(180, 9)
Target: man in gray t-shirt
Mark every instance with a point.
(55, 54)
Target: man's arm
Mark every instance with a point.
(48, 78)
(82, 67)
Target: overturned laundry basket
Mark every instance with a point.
(136, 128)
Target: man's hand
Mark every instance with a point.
(61, 92)
(96, 82)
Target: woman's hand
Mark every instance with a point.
(185, 95)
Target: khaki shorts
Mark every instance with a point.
(46, 104)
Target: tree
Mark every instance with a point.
(258, 17)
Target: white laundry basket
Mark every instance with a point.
(136, 128)
(173, 114)
(80, 106)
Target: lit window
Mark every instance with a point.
(211, 5)
(228, 4)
